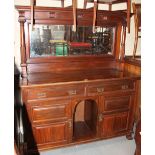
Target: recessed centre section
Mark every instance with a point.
(85, 120)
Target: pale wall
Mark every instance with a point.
(129, 38)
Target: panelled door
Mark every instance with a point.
(116, 113)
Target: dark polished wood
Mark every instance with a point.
(76, 99)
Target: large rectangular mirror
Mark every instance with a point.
(60, 40)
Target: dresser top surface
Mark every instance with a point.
(78, 76)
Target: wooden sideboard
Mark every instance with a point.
(74, 99)
(78, 107)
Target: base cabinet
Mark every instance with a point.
(78, 118)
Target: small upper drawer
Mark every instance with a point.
(50, 110)
(65, 15)
(101, 87)
(55, 91)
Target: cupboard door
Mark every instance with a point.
(114, 124)
(51, 134)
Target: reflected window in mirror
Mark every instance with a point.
(61, 40)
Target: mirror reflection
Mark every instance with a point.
(60, 40)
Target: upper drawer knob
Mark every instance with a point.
(100, 90)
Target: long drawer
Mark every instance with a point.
(101, 87)
(55, 91)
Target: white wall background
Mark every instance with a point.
(129, 37)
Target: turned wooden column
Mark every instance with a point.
(22, 46)
(123, 38)
(118, 41)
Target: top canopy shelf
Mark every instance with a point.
(96, 2)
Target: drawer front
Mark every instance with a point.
(116, 103)
(100, 87)
(56, 133)
(49, 111)
(55, 92)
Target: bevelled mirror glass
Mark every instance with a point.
(60, 40)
